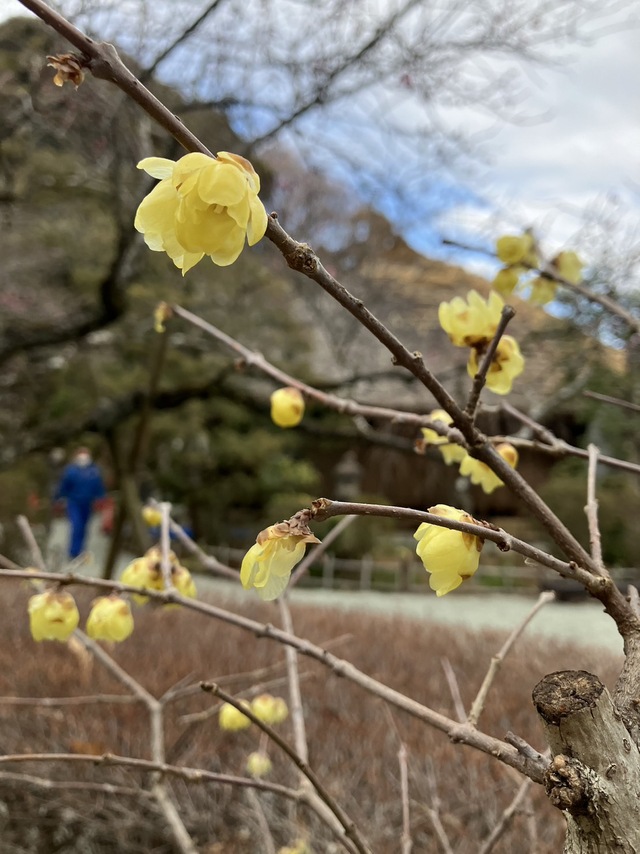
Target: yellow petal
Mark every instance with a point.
(157, 167)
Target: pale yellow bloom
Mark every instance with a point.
(270, 710)
(110, 619)
(507, 364)
(451, 452)
(287, 407)
(569, 266)
(183, 582)
(147, 572)
(152, 517)
(53, 616)
(512, 249)
(230, 719)
(258, 764)
(202, 206)
(543, 290)
(268, 564)
(471, 322)
(449, 556)
(505, 280)
(480, 473)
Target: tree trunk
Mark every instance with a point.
(594, 776)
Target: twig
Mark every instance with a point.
(209, 562)
(74, 785)
(505, 818)
(293, 678)
(523, 747)
(454, 690)
(591, 509)
(317, 551)
(265, 832)
(480, 378)
(54, 702)
(350, 830)
(433, 812)
(614, 401)
(32, 543)
(405, 840)
(165, 510)
(496, 662)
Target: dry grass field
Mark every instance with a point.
(353, 737)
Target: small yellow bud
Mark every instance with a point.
(231, 720)
(270, 710)
(512, 249)
(287, 407)
(451, 557)
(506, 280)
(110, 619)
(569, 266)
(258, 764)
(161, 314)
(53, 616)
(543, 290)
(152, 517)
(480, 473)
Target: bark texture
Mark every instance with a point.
(594, 776)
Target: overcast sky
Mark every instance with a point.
(580, 142)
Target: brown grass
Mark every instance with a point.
(353, 737)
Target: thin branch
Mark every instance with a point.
(165, 547)
(350, 830)
(433, 811)
(454, 690)
(293, 678)
(505, 819)
(317, 551)
(591, 509)
(496, 662)
(265, 832)
(480, 378)
(614, 401)
(405, 840)
(73, 785)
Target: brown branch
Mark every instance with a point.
(614, 401)
(591, 510)
(406, 842)
(480, 378)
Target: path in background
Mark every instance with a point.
(581, 622)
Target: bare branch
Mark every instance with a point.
(506, 817)
(480, 378)
(591, 510)
(405, 840)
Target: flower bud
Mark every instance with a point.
(231, 719)
(53, 616)
(258, 764)
(110, 619)
(287, 407)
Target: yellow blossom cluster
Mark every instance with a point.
(473, 324)
(268, 564)
(270, 710)
(519, 254)
(287, 407)
(53, 615)
(450, 557)
(146, 572)
(202, 206)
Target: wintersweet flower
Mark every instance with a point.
(183, 582)
(480, 473)
(569, 266)
(543, 290)
(202, 206)
(505, 280)
(53, 616)
(268, 564)
(449, 556)
(110, 619)
(472, 322)
(507, 364)
(152, 517)
(142, 573)
(258, 764)
(231, 719)
(451, 452)
(287, 407)
(270, 710)
(512, 249)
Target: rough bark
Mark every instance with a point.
(594, 776)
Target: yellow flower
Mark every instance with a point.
(258, 764)
(451, 452)
(480, 473)
(506, 280)
(507, 364)
(268, 564)
(142, 573)
(512, 249)
(543, 290)
(230, 719)
(152, 517)
(53, 616)
(287, 407)
(450, 556)
(471, 322)
(110, 619)
(270, 710)
(183, 582)
(569, 266)
(202, 206)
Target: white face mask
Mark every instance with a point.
(83, 459)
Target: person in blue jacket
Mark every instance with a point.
(81, 485)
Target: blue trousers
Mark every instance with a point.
(79, 513)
